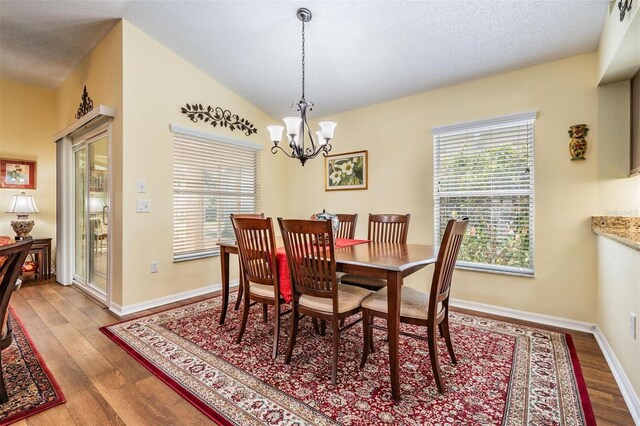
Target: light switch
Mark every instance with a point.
(142, 186)
(143, 205)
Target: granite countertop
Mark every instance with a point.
(623, 229)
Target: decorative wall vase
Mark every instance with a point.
(578, 143)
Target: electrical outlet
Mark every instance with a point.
(142, 186)
(632, 325)
(155, 266)
(143, 206)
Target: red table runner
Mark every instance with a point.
(283, 266)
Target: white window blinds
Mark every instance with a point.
(484, 170)
(212, 178)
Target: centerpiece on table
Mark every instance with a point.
(335, 222)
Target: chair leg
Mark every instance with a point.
(444, 329)
(245, 316)
(433, 354)
(366, 332)
(316, 325)
(265, 313)
(276, 330)
(323, 327)
(336, 347)
(4, 397)
(240, 292)
(294, 332)
(372, 349)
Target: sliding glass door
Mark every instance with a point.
(91, 206)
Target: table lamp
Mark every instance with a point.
(22, 205)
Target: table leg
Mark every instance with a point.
(224, 271)
(394, 284)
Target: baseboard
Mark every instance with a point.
(137, 307)
(626, 389)
(525, 316)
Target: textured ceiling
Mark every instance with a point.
(358, 52)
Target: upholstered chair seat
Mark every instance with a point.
(349, 297)
(414, 303)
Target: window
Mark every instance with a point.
(212, 178)
(484, 170)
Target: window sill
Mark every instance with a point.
(493, 271)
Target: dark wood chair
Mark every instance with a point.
(317, 291)
(12, 257)
(417, 307)
(257, 249)
(240, 283)
(384, 228)
(347, 227)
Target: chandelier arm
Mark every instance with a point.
(275, 148)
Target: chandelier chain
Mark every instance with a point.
(303, 61)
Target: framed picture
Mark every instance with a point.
(346, 171)
(19, 174)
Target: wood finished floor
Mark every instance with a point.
(103, 385)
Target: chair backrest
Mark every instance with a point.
(12, 258)
(389, 228)
(257, 249)
(347, 227)
(248, 215)
(445, 264)
(311, 262)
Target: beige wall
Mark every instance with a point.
(27, 121)
(398, 136)
(101, 72)
(157, 82)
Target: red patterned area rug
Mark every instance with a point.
(30, 385)
(506, 374)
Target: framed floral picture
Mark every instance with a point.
(346, 171)
(19, 174)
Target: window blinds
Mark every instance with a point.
(484, 171)
(212, 178)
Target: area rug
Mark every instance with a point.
(30, 385)
(507, 374)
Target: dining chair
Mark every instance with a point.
(257, 250)
(347, 229)
(420, 308)
(383, 228)
(12, 258)
(240, 283)
(317, 291)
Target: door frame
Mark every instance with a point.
(101, 116)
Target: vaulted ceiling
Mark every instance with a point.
(358, 52)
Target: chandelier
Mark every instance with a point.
(298, 126)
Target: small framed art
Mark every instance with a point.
(346, 171)
(18, 174)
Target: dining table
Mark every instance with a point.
(390, 261)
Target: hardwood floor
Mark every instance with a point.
(103, 385)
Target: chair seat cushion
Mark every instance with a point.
(360, 280)
(413, 303)
(262, 290)
(349, 297)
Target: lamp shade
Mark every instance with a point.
(327, 128)
(23, 204)
(275, 132)
(293, 125)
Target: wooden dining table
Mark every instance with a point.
(390, 261)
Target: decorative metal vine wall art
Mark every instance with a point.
(218, 117)
(86, 105)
